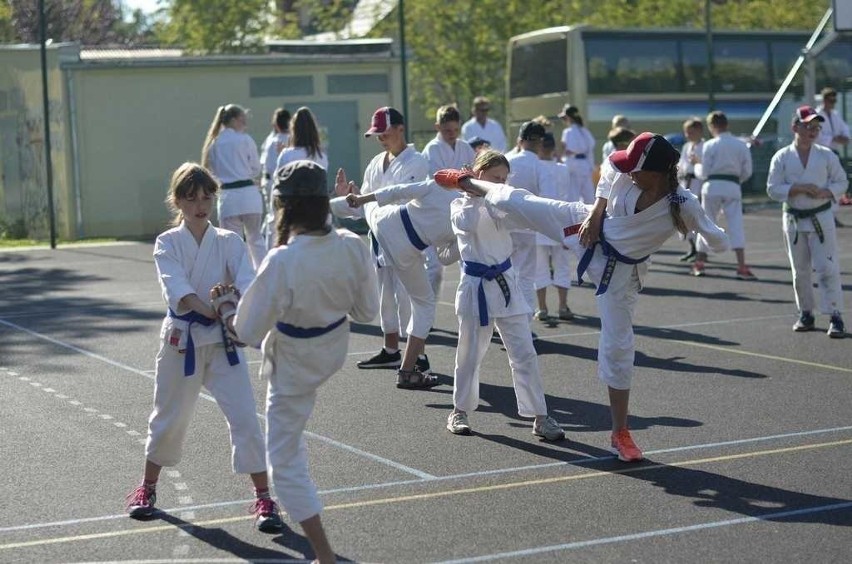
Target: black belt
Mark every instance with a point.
(798, 214)
(729, 177)
(237, 184)
(581, 156)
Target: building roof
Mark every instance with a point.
(365, 16)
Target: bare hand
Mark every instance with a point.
(590, 231)
(341, 186)
(353, 200)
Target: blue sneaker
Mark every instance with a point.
(805, 323)
(836, 330)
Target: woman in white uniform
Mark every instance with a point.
(578, 152)
(297, 310)
(231, 155)
(639, 206)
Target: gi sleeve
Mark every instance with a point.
(366, 308)
(252, 157)
(264, 300)
(238, 262)
(697, 220)
(340, 208)
(402, 193)
(777, 184)
(838, 182)
(171, 273)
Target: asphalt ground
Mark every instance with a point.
(746, 426)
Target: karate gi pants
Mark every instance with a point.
(434, 270)
(553, 267)
(523, 361)
(252, 223)
(807, 255)
(175, 396)
(395, 305)
(616, 348)
(733, 209)
(525, 264)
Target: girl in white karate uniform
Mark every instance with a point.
(489, 294)
(298, 306)
(231, 155)
(192, 258)
(644, 206)
(578, 145)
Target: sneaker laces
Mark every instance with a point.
(624, 439)
(263, 506)
(139, 497)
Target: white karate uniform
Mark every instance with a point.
(441, 155)
(553, 266)
(484, 237)
(233, 157)
(312, 282)
(286, 156)
(428, 209)
(804, 249)
(491, 132)
(407, 167)
(690, 173)
(581, 163)
(634, 235)
(184, 268)
(725, 154)
(527, 172)
(831, 128)
(269, 155)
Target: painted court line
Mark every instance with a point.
(650, 534)
(766, 356)
(451, 493)
(338, 444)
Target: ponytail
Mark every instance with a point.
(674, 202)
(212, 134)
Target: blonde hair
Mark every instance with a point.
(674, 205)
(186, 182)
(489, 159)
(542, 121)
(224, 115)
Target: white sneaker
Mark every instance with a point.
(457, 423)
(541, 315)
(548, 429)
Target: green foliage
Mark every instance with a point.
(217, 26)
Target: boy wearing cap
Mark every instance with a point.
(528, 173)
(726, 164)
(480, 125)
(633, 216)
(808, 178)
(399, 163)
(297, 310)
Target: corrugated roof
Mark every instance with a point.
(100, 53)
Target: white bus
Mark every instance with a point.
(658, 78)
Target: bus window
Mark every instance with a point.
(784, 53)
(539, 68)
(628, 65)
(694, 57)
(834, 65)
(741, 65)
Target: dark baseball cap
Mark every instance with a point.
(300, 178)
(383, 119)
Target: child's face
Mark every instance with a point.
(645, 179)
(196, 207)
(497, 174)
(693, 133)
(449, 131)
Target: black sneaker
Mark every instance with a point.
(805, 323)
(382, 360)
(836, 330)
(422, 364)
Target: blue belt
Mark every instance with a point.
(307, 332)
(409, 229)
(192, 318)
(613, 257)
(485, 272)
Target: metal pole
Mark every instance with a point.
(403, 64)
(708, 25)
(42, 25)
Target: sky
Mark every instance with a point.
(147, 6)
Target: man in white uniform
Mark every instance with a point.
(480, 125)
(726, 163)
(689, 170)
(835, 132)
(399, 163)
(808, 177)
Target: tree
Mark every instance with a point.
(90, 22)
(217, 26)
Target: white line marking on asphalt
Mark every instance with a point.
(119, 424)
(173, 473)
(104, 416)
(180, 486)
(133, 433)
(483, 473)
(75, 402)
(49, 390)
(23, 379)
(36, 384)
(185, 500)
(338, 444)
(650, 534)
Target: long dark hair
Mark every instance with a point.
(308, 212)
(304, 132)
(674, 205)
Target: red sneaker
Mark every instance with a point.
(745, 274)
(698, 268)
(450, 178)
(140, 502)
(266, 517)
(622, 444)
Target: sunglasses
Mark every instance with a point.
(810, 126)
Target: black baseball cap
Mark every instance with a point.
(300, 178)
(531, 131)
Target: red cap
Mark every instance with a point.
(647, 151)
(806, 114)
(383, 119)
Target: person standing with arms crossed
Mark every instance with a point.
(480, 125)
(835, 132)
(231, 155)
(578, 145)
(808, 178)
(726, 164)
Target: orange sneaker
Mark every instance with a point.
(745, 274)
(698, 268)
(622, 444)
